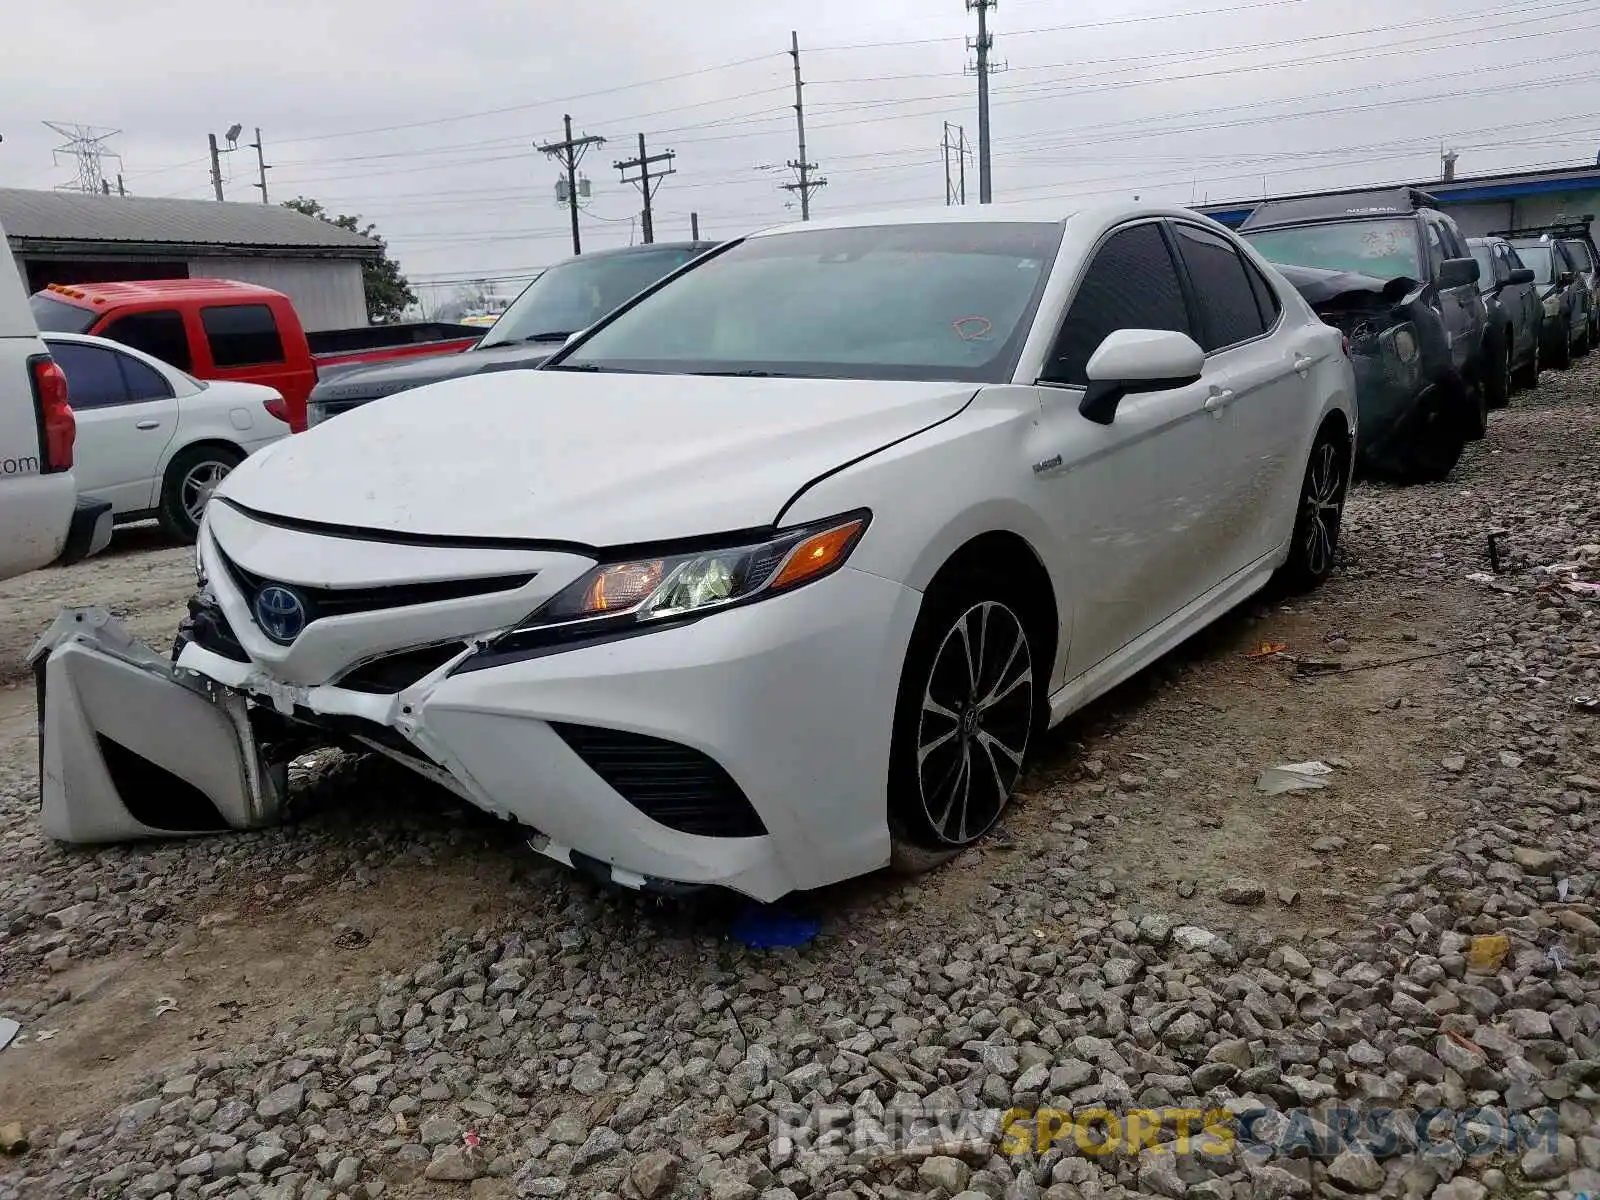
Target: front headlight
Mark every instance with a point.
(639, 590)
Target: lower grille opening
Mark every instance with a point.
(155, 796)
(396, 672)
(672, 784)
(333, 602)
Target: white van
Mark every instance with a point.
(42, 518)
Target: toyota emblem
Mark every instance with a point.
(281, 612)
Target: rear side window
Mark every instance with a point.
(1131, 284)
(93, 378)
(144, 382)
(1228, 306)
(242, 335)
(159, 334)
(1266, 295)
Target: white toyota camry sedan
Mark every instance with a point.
(770, 577)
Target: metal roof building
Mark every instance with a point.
(74, 237)
(1480, 204)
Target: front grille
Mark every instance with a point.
(333, 602)
(396, 672)
(674, 785)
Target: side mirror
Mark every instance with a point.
(1138, 360)
(1458, 272)
(1520, 275)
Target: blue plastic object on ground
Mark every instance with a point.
(762, 927)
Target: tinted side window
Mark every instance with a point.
(242, 335)
(159, 334)
(1266, 295)
(93, 380)
(1131, 284)
(143, 382)
(1436, 254)
(1227, 301)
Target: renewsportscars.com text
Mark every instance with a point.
(27, 465)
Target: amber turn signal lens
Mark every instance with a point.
(818, 553)
(622, 586)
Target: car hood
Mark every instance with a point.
(597, 459)
(384, 379)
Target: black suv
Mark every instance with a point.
(566, 298)
(1417, 337)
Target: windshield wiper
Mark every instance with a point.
(552, 335)
(746, 374)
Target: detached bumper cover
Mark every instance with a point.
(747, 750)
(129, 747)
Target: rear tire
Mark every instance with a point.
(1314, 545)
(968, 707)
(186, 488)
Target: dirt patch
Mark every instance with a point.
(233, 975)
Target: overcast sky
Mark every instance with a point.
(425, 122)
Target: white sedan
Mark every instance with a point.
(773, 576)
(152, 439)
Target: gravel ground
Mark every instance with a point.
(392, 996)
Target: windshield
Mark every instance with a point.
(54, 316)
(936, 301)
(1537, 258)
(1383, 249)
(1485, 268)
(1580, 254)
(576, 294)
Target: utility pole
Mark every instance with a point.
(694, 227)
(805, 185)
(261, 165)
(569, 153)
(216, 166)
(955, 192)
(644, 180)
(983, 44)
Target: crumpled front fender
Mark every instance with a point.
(130, 746)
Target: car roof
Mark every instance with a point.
(135, 291)
(645, 248)
(1306, 210)
(1045, 211)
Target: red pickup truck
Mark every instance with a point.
(222, 329)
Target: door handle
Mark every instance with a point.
(1219, 400)
(148, 425)
(1303, 363)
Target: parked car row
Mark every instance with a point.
(768, 578)
(1442, 328)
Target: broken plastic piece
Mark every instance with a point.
(1563, 887)
(1556, 957)
(762, 927)
(165, 1004)
(1268, 649)
(8, 1030)
(1294, 777)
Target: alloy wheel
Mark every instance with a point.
(194, 493)
(977, 712)
(1322, 507)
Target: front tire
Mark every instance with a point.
(1501, 378)
(1530, 373)
(1314, 544)
(966, 714)
(192, 475)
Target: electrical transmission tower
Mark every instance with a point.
(87, 146)
(804, 183)
(648, 182)
(982, 45)
(570, 153)
(955, 190)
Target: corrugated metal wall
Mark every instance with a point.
(327, 293)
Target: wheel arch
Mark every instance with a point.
(210, 441)
(1008, 554)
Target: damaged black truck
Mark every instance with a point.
(1394, 274)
